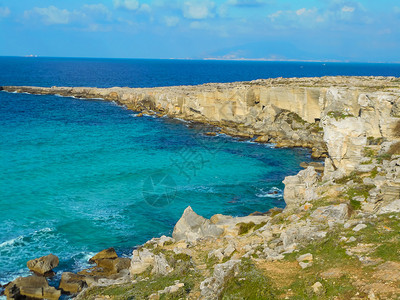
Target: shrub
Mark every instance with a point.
(245, 227)
(396, 129)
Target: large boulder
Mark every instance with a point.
(300, 188)
(145, 260)
(71, 283)
(191, 227)
(31, 287)
(104, 254)
(141, 261)
(393, 207)
(333, 213)
(43, 264)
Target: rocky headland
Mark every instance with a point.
(337, 238)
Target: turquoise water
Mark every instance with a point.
(78, 176)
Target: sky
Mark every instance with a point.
(327, 30)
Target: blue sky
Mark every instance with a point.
(344, 30)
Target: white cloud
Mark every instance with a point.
(246, 3)
(301, 11)
(49, 15)
(198, 9)
(348, 9)
(171, 21)
(4, 12)
(396, 9)
(145, 8)
(127, 4)
(97, 9)
(275, 15)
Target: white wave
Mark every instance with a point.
(182, 120)
(274, 192)
(11, 242)
(88, 255)
(46, 229)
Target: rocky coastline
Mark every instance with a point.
(338, 236)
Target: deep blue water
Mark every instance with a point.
(78, 176)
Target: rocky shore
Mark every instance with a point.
(337, 238)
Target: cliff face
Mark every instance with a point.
(336, 116)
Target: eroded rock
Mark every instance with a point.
(43, 264)
(191, 227)
(34, 286)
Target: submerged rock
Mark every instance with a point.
(43, 264)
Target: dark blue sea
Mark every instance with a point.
(78, 176)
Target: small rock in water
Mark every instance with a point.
(104, 254)
(43, 265)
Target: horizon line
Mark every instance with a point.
(215, 59)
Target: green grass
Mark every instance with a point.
(355, 176)
(295, 117)
(338, 115)
(368, 152)
(359, 190)
(143, 289)
(245, 227)
(385, 234)
(355, 205)
(327, 253)
(374, 141)
(250, 283)
(258, 226)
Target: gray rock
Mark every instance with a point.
(161, 265)
(212, 287)
(191, 227)
(229, 250)
(141, 260)
(334, 213)
(305, 257)
(393, 207)
(43, 264)
(318, 288)
(300, 188)
(359, 227)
